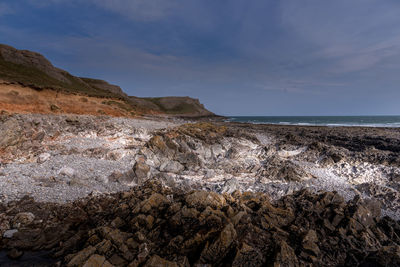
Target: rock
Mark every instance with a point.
(67, 171)
(386, 256)
(155, 201)
(203, 199)
(230, 186)
(80, 258)
(22, 219)
(10, 233)
(116, 260)
(95, 261)
(172, 166)
(210, 173)
(152, 225)
(43, 157)
(104, 247)
(156, 261)
(10, 133)
(309, 242)
(248, 254)
(117, 222)
(218, 250)
(142, 172)
(367, 211)
(15, 254)
(286, 256)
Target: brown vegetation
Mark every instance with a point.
(18, 99)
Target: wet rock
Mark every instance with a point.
(15, 254)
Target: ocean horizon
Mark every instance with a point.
(392, 121)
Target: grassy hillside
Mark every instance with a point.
(33, 70)
(37, 79)
(180, 107)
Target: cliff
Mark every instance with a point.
(32, 70)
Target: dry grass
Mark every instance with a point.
(19, 99)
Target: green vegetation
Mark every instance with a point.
(27, 75)
(179, 108)
(37, 79)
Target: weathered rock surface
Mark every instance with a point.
(59, 158)
(152, 225)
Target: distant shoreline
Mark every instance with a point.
(392, 121)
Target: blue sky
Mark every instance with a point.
(239, 57)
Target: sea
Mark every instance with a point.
(365, 121)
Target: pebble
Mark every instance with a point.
(10, 233)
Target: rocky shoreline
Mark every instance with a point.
(152, 225)
(277, 179)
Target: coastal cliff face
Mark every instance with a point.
(30, 70)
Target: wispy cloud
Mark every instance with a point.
(351, 43)
(145, 10)
(138, 10)
(306, 51)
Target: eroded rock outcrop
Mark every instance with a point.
(153, 225)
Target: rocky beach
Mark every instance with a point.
(90, 176)
(79, 189)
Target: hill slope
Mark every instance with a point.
(31, 69)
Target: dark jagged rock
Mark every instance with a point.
(152, 225)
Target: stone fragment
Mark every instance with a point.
(10, 233)
(67, 171)
(80, 258)
(203, 199)
(156, 261)
(142, 172)
(95, 261)
(286, 256)
(218, 250)
(309, 242)
(43, 157)
(247, 254)
(230, 186)
(172, 166)
(155, 201)
(22, 219)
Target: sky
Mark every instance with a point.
(239, 57)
